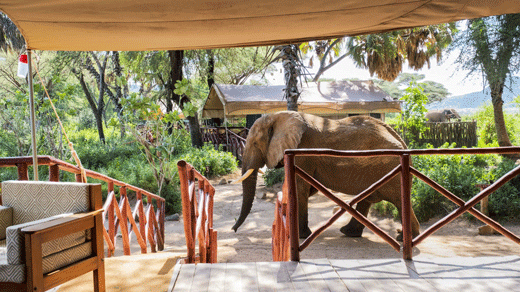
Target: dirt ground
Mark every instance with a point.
(252, 242)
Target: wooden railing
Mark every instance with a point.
(406, 170)
(280, 234)
(197, 209)
(233, 139)
(149, 231)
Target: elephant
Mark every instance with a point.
(272, 134)
(438, 116)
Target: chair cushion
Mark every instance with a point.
(6, 219)
(16, 273)
(16, 241)
(34, 200)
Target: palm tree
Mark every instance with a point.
(384, 54)
(292, 65)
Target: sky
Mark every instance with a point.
(454, 79)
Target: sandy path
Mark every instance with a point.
(252, 242)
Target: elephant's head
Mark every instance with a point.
(265, 145)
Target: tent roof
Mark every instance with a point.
(324, 98)
(130, 25)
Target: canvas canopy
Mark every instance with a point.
(131, 25)
(323, 98)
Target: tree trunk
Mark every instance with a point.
(291, 73)
(119, 93)
(211, 68)
(97, 110)
(196, 136)
(99, 124)
(500, 125)
(176, 63)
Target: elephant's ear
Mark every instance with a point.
(287, 130)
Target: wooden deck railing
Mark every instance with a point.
(197, 210)
(149, 230)
(234, 141)
(290, 225)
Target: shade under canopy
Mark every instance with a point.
(136, 25)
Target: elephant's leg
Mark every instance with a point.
(354, 228)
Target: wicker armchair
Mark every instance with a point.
(51, 233)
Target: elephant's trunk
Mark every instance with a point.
(249, 190)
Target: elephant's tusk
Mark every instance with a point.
(243, 177)
(261, 171)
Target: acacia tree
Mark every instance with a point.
(230, 66)
(433, 90)
(491, 46)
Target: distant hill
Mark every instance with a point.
(469, 103)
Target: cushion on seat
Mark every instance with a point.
(16, 241)
(6, 219)
(35, 200)
(16, 273)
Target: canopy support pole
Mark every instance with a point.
(33, 115)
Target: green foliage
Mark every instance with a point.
(460, 174)
(210, 162)
(195, 94)
(486, 131)
(386, 209)
(274, 176)
(433, 90)
(411, 119)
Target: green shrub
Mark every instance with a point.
(210, 162)
(460, 174)
(274, 176)
(386, 209)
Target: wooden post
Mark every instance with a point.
(162, 206)
(54, 172)
(142, 217)
(406, 206)
(125, 230)
(23, 173)
(111, 215)
(186, 210)
(290, 178)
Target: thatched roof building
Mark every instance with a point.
(334, 99)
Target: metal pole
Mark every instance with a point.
(33, 115)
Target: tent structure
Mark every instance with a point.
(324, 98)
(132, 25)
(139, 25)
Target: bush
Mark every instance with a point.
(210, 162)
(274, 176)
(460, 174)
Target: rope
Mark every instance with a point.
(71, 146)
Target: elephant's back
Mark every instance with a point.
(353, 133)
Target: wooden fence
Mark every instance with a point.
(232, 139)
(286, 216)
(197, 209)
(117, 216)
(462, 133)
